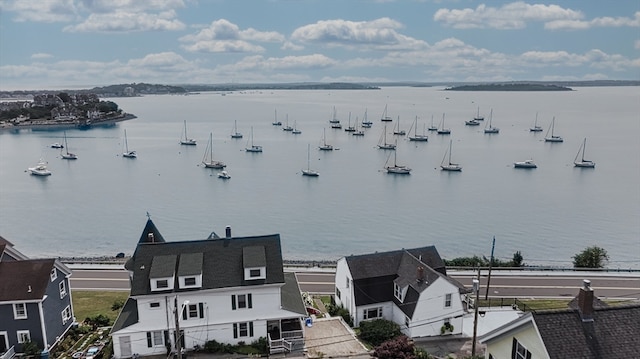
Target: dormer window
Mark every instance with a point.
(398, 292)
(255, 273)
(254, 261)
(162, 284)
(190, 270)
(162, 272)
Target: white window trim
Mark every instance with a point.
(378, 313)
(158, 305)
(63, 289)
(65, 317)
(54, 274)
(188, 311)
(15, 311)
(398, 292)
(5, 335)
(247, 273)
(20, 333)
(448, 298)
(153, 338)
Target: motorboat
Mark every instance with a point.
(525, 164)
(40, 169)
(223, 175)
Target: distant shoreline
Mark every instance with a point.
(510, 87)
(51, 125)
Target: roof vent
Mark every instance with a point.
(227, 232)
(28, 289)
(150, 237)
(420, 274)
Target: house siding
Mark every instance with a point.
(12, 326)
(53, 306)
(500, 348)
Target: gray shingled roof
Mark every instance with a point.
(25, 279)
(290, 297)
(128, 315)
(222, 264)
(613, 333)
(386, 263)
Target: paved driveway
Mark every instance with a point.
(332, 338)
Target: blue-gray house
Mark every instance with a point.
(35, 301)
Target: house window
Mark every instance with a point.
(338, 293)
(397, 292)
(23, 336)
(63, 289)
(66, 315)
(373, 313)
(155, 339)
(241, 330)
(54, 274)
(241, 301)
(154, 305)
(253, 273)
(19, 311)
(190, 281)
(407, 321)
(162, 283)
(194, 310)
(347, 284)
(518, 351)
(447, 300)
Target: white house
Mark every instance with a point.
(230, 289)
(409, 287)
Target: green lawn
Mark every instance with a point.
(91, 303)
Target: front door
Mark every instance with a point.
(125, 347)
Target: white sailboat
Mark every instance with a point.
(286, 126)
(334, 116)
(40, 169)
(489, 127)
(475, 121)
(185, 140)
(309, 172)
(396, 168)
(385, 117)
(382, 143)
(358, 131)
(448, 165)
(477, 117)
(275, 119)
(128, 153)
(296, 130)
(582, 162)
(67, 155)
(443, 130)
(535, 127)
(350, 128)
(416, 136)
(552, 138)
(235, 133)
(323, 145)
(207, 158)
(432, 127)
(253, 148)
(366, 122)
(397, 130)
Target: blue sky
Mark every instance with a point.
(54, 44)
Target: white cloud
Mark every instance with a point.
(596, 22)
(41, 55)
(510, 16)
(224, 36)
(108, 6)
(380, 34)
(41, 11)
(121, 21)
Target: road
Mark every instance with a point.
(502, 284)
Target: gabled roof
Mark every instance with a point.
(8, 252)
(613, 333)
(222, 261)
(386, 263)
(128, 315)
(290, 297)
(150, 234)
(25, 279)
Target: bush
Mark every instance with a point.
(591, 257)
(376, 332)
(117, 304)
(30, 348)
(337, 311)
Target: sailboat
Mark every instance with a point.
(535, 127)
(287, 127)
(67, 155)
(309, 172)
(253, 148)
(397, 130)
(235, 133)
(396, 169)
(442, 130)
(334, 117)
(385, 117)
(449, 166)
(552, 138)
(350, 128)
(185, 140)
(127, 153)
(416, 136)
(275, 119)
(582, 162)
(295, 130)
(477, 116)
(476, 119)
(207, 158)
(324, 146)
(357, 131)
(432, 127)
(366, 122)
(489, 128)
(382, 143)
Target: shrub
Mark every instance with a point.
(117, 305)
(338, 311)
(375, 332)
(591, 257)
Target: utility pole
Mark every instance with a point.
(493, 246)
(177, 334)
(476, 289)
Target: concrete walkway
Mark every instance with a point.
(332, 338)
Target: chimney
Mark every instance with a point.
(228, 232)
(585, 301)
(420, 274)
(150, 237)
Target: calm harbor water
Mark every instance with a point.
(97, 204)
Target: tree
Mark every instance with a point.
(591, 257)
(517, 259)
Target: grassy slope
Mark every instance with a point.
(91, 303)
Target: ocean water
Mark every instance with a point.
(97, 205)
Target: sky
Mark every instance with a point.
(65, 44)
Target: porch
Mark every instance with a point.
(285, 335)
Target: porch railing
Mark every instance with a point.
(292, 334)
(9, 353)
(279, 345)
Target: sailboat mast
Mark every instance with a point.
(450, 142)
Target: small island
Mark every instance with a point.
(510, 87)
